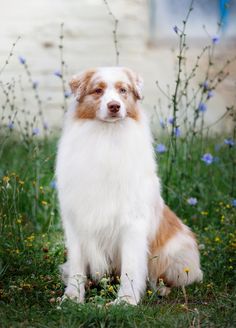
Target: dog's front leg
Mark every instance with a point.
(76, 277)
(133, 265)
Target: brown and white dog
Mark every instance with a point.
(113, 214)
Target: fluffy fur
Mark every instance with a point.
(113, 214)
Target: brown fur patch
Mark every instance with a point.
(133, 80)
(158, 262)
(169, 226)
(87, 108)
(80, 83)
(128, 99)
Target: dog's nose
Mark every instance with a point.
(113, 106)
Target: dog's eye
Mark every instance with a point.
(98, 91)
(123, 91)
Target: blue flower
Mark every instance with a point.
(11, 125)
(35, 131)
(67, 94)
(202, 107)
(210, 94)
(207, 158)
(205, 85)
(58, 73)
(192, 201)
(229, 142)
(177, 132)
(215, 39)
(45, 125)
(35, 84)
(53, 184)
(162, 123)
(160, 148)
(171, 120)
(233, 202)
(22, 60)
(175, 28)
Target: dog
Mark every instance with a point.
(113, 214)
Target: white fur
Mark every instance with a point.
(109, 196)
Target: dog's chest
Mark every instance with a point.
(106, 173)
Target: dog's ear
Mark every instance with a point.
(79, 83)
(136, 81)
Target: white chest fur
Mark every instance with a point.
(106, 182)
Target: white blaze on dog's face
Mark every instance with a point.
(108, 94)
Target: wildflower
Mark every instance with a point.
(207, 158)
(45, 125)
(202, 107)
(204, 213)
(11, 125)
(35, 84)
(160, 148)
(171, 120)
(175, 28)
(192, 201)
(215, 39)
(58, 73)
(44, 203)
(149, 292)
(6, 179)
(201, 247)
(22, 60)
(35, 131)
(110, 289)
(204, 85)
(217, 239)
(67, 94)
(162, 123)
(186, 270)
(18, 221)
(210, 94)
(177, 132)
(233, 203)
(229, 142)
(53, 184)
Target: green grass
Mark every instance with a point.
(31, 244)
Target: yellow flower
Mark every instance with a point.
(44, 203)
(6, 179)
(228, 206)
(110, 289)
(31, 238)
(204, 213)
(186, 270)
(17, 251)
(149, 292)
(18, 221)
(217, 239)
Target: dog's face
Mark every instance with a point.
(108, 94)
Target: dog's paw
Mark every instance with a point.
(73, 294)
(123, 300)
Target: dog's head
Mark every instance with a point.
(109, 94)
